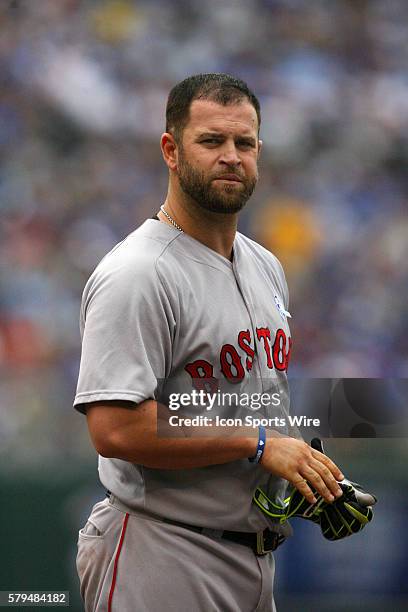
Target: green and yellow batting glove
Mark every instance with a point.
(349, 514)
(293, 506)
(346, 515)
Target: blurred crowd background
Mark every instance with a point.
(83, 87)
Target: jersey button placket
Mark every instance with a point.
(246, 298)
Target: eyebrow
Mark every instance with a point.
(204, 135)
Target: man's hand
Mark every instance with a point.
(302, 466)
(339, 519)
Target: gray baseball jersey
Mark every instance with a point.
(162, 305)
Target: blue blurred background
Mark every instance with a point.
(83, 87)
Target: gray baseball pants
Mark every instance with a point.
(130, 562)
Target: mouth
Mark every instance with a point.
(229, 178)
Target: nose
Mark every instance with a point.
(229, 155)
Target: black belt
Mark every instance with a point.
(260, 543)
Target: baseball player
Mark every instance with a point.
(187, 523)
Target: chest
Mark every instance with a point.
(231, 324)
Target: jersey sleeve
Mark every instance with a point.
(127, 327)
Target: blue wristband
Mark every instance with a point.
(261, 446)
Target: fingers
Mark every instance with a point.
(298, 462)
(320, 477)
(321, 473)
(337, 473)
(303, 488)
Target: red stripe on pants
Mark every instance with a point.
(115, 566)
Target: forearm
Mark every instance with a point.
(125, 431)
(142, 435)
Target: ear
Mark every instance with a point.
(169, 149)
(260, 143)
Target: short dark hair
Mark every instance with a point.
(221, 88)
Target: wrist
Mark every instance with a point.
(256, 458)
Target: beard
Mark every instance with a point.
(226, 198)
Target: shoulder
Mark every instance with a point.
(140, 250)
(260, 254)
(132, 264)
(266, 260)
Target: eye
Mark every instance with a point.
(211, 141)
(245, 144)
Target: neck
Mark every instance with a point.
(217, 231)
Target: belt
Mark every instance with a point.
(260, 543)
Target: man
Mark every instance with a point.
(186, 298)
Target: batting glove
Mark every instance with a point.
(339, 519)
(349, 514)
